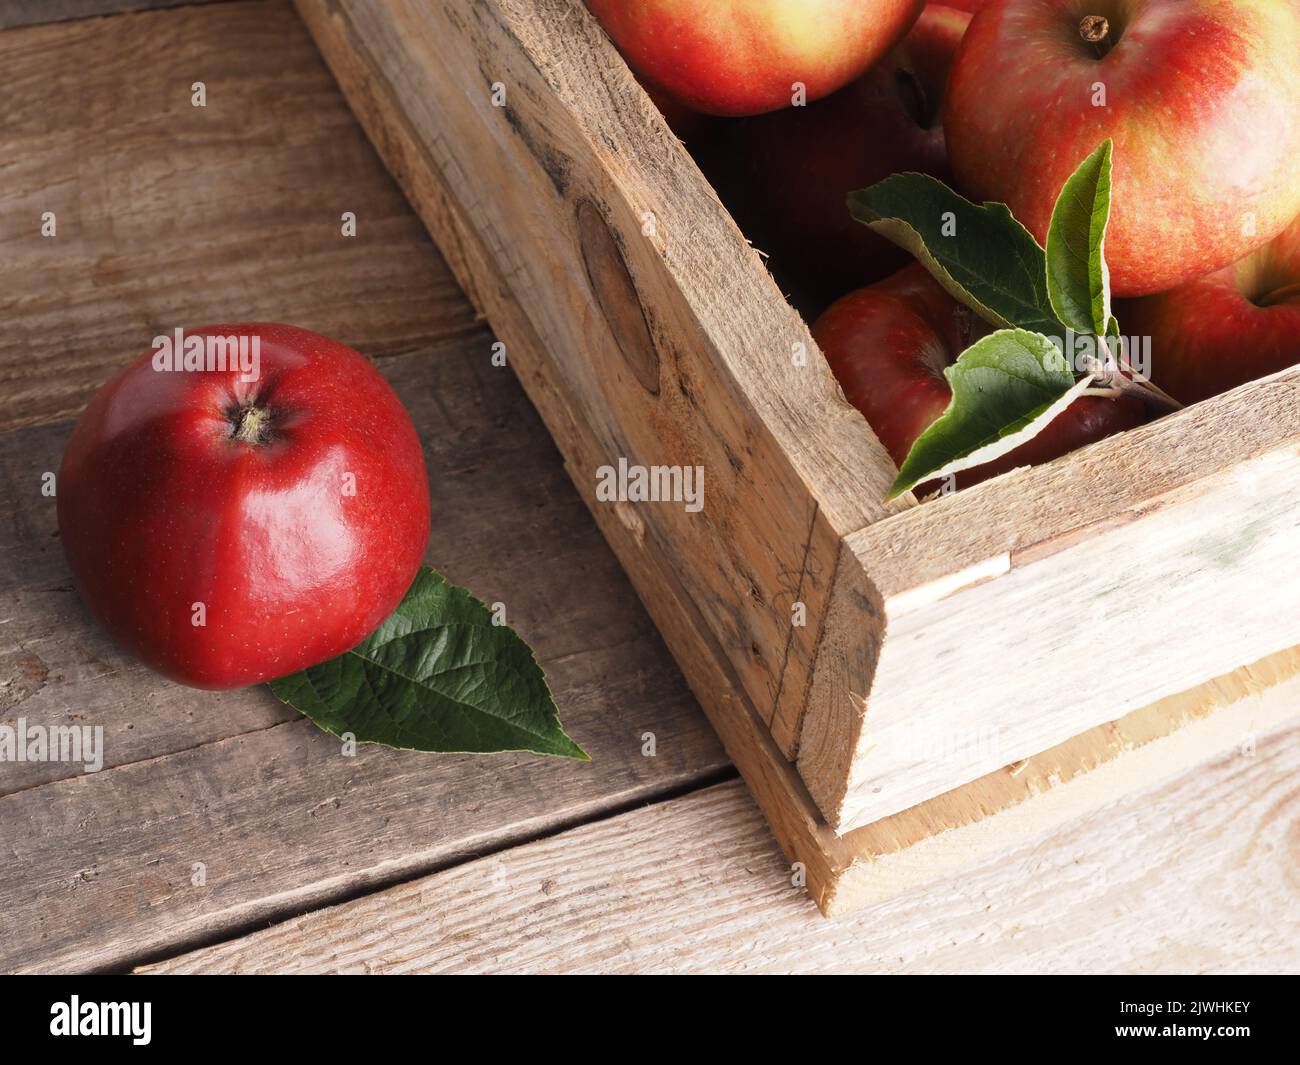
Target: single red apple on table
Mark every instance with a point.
(794, 168)
(743, 57)
(1238, 324)
(229, 530)
(888, 344)
(1202, 100)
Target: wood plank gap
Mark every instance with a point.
(361, 892)
(1189, 874)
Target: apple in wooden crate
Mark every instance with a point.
(745, 57)
(888, 345)
(786, 175)
(1200, 97)
(1220, 331)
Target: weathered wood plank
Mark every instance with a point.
(99, 869)
(1198, 875)
(31, 12)
(169, 214)
(95, 869)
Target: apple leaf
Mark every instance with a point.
(1006, 388)
(979, 253)
(1078, 281)
(437, 675)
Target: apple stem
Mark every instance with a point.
(1112, 384)
(1103, 393)
(1279, 295)
(913, 95)
(1095, 29)
(249, 425)
(1151, 392)
(1116, 377)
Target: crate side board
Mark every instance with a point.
(1038, 510)
(1231, 716)
(579, 225)
(1125, 572)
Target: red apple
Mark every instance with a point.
(743, 57)
(1202, 100)
(1213, 334)
(795, 167)
(888, 344)
(231, 527)
(968, 5)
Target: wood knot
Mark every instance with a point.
(616, 295)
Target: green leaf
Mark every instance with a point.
(1078, 280)
(980, 254)
(1006, 388)
(437, 675)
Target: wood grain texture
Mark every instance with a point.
(915, 846)
(1047, 602)
(15, 13)
(1201, 874)
(173, 215)
(95, 870)
(642, 324)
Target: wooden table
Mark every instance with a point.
(225, 833)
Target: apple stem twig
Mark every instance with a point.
(1111, 384)
(1117, 377)
(1095, 29)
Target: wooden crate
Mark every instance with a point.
(942, 642)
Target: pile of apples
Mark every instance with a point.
(788, 105)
